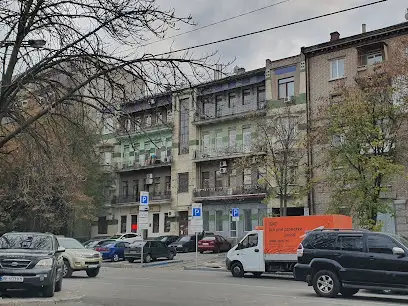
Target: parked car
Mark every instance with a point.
(169, 239)
(345, 261)
(185, 244)
(152, 250)
(214, 244)
(77, 258)
(128, 237)
(91, 243)
(113, 250)
(31, 261)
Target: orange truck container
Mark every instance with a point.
(273, 247)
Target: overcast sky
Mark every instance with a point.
(251, 52)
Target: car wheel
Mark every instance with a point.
(148, 258)
(58, 285)
(326, 283)
(130, 260)
(237, 270)
(257, 274)
(217, 250)
(171, 256)
(185, 250)
(66, 269)
(348, 292)
(201, 252)
(115, 257)
(48, 291)
(92, 272)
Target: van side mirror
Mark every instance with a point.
(398, 251)
(61, 249)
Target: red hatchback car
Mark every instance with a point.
(215, 244)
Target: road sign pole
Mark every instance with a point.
(236, 236)
(196, 249)
(141, 252)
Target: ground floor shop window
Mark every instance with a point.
(218, 220)
(123, 224)
(166, 223)
(156, 223)
(102, 225)
(247, 220)
(206, 220)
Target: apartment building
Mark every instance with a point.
(226, 130)
(285, 86)
(339, 61)
(140, 160)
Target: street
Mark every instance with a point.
(161, 286)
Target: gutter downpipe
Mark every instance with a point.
(311, 192)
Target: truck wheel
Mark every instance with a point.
(237, 270)
(58, 285)
(348, 292)
(130, 260)
(257, 274)
(92, 272)
(48, 291)
(326, 283)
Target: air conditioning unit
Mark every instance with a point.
(223, 170)
(167, 159)
(152, 101)
(149, 176)
(289, 99)
(149, 181)
(234, 172)
(172, 213)
(223, 164)
(204, 155)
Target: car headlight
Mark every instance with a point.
(45, 263)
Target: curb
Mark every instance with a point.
(39, 301)
(138, 266)
(205, 269)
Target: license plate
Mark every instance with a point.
(12, 279)
(133, 252)
(205, 243)
(92, 266)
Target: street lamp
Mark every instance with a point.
(33, 43)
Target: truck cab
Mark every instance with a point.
(247, 256)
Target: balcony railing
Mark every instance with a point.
(159, 196)
(145, 128)
(229, 112)
(246, 190)
(147, 164)
(229, 151)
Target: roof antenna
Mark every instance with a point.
(406, 15)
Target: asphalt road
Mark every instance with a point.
(165, 287)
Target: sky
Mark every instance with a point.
(251, 52)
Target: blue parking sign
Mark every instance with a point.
(196, 212)
(144, 198)
(235, 212)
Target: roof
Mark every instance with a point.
(391, 31)
(232, 77)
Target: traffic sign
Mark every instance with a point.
(235, 214)
(143, 220)
(144, 198)
(196, 226)
(197, 209)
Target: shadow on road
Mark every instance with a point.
(20, 294)
(375, 299)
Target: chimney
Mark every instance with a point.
(334, 36)
(363, 28)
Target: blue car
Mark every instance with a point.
(112, 249)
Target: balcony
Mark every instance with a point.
(247, 191)
(145, 129)
(229, 113)
(226, 152)
(155, 198)
(148, 164)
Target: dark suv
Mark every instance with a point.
(30, 261)
(345, 261)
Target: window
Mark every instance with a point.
(232, 136)
(337, 68)
(168, 184)
(247, 141)
(350, 243)
(320, 241)
(207, 108)
(247, 178)
(250, 241)
(107, 158)
(246, 96)
(218, 220)
(183, 182)
(133, 225)
(218, 179)
(293, 174)
(156, 186)
(372, 58)
(205, 180)
(218, 141)
(232, 100)
(167, 223)
(126, 150)
(125, 188)
(108, 126)
(261, 96)
(184, 127)
(380, 244)
(286, 87)
(148, 120)
(247, 220)
(338, 140)
(218, 105)
(102, 225)
(206, 143)
(206, 220)
(261, 216)
(156, 223)
(135, 189)
(123, 224)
